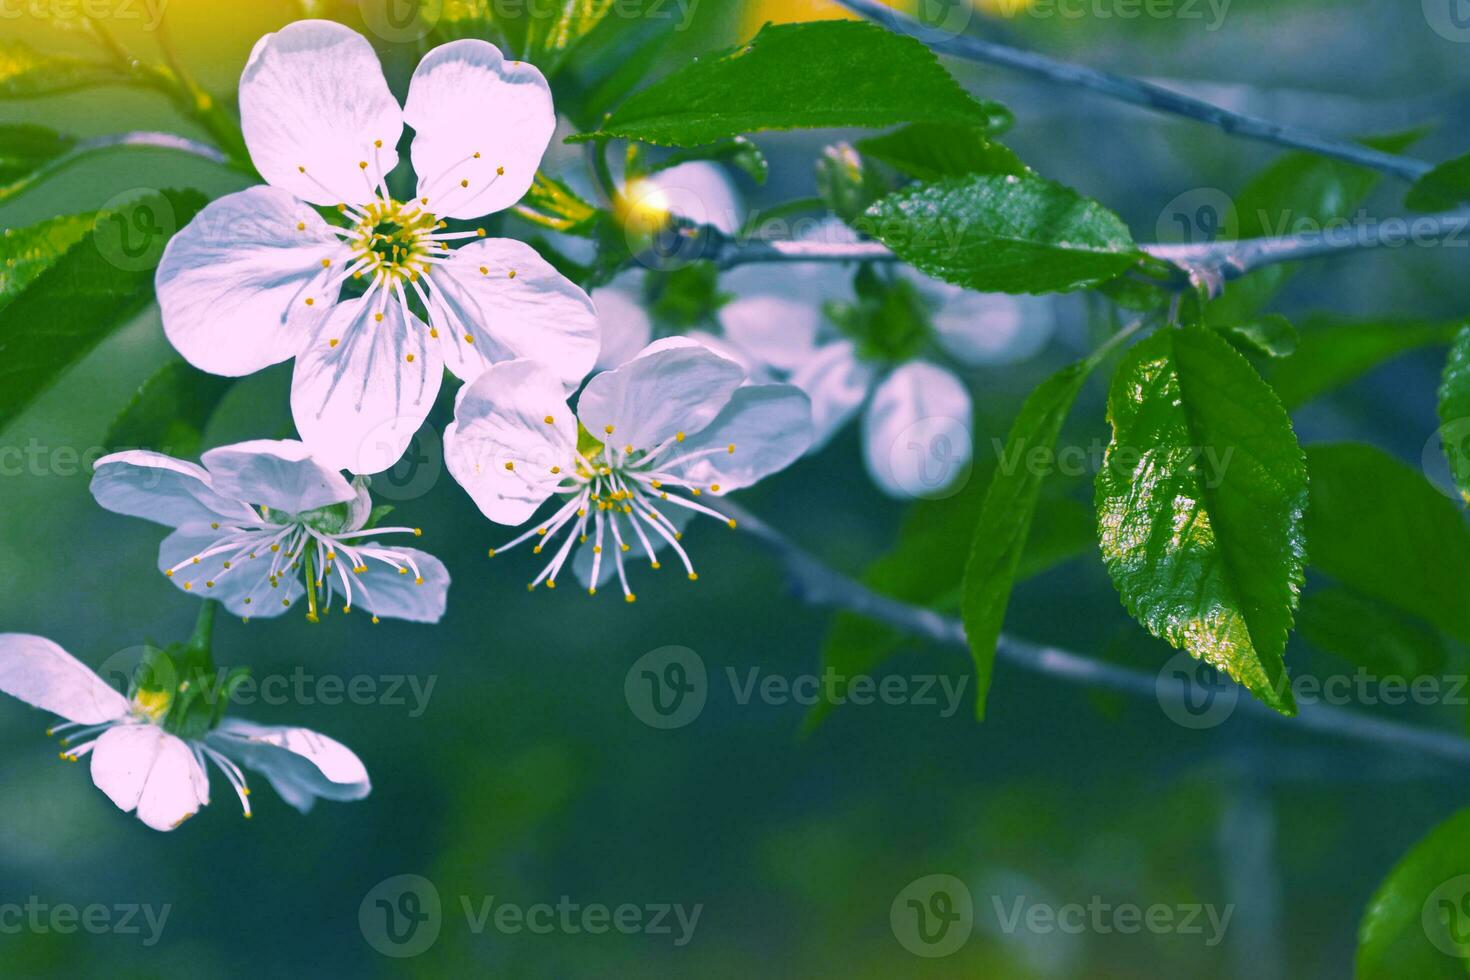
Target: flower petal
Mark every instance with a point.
(233, 284)
(674, 385)
(500, 447)
(899, 458)
(515, 304)
(280, 474)
(159, 488)
(780, 331)
(143, 767)
(359, 401)
(314, 106)
(244, 588)
(626, 327)
(769, 427)
(42, 674)
(391, 594)
(481, 125)
(980, 329)
(300, 764)
(837, 382)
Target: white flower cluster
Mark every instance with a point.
(374, 298)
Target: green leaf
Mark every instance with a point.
(1383, 530)
(1199, 505)
(1443, 188)
(737, 151)
(1417, 924)
(169, 411)
(25, 253)
(1300, 191)
(932, 151)
(1003, 234)
(1272, 335)
(83, 294)
(1333, 352)
(1370, 634)
(24, 149)
(800, 76)
(1454, 411)
(552, 35)
(26, 73)
(999, 536)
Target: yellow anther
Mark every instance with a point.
(209, 584)
(714, 488)
(608, 430)
(403, 571)
(731, 522)
(331, 556)
(597, 549)
(732, 447)
(334, 342)
(500, 171)
(477, 154)
(592, 591)
(510, 466)
(551, 583)
(408, 358)
(480, 232)
(418, 532)
(433, 333)
(301, 170)
(678, 437)
(247, 600)
(169, 573)
(492, 552)
(655, 484)
(536, 550)
(347, 609)
(512, 273)
(469, 338)
(541, 531)
(695, 491)
(375, 621)
(631, 597)
(362, 165)
(694, 576)
(195, 559)
(301, 226)
(286, 602)
(275, 547)
(484, 270)
(326, 263)
(626, 547)
(378, 317)
(628, 448)
(423, 200)
(464, 183)
(555, 470)
(310, 301)
(419, 580)
(227, 565)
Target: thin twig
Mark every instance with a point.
(139, 139)
(821, 586)
(1141, 93)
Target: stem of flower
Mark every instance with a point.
(202, 638)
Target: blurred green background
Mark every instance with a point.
(527, 777)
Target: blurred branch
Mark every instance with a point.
(822, 586)
(1140, 93)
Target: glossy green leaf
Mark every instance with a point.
(1382, 529)
(83, 294)
(1199, 505)
(25, 253)
(800, 76)
(1298, 192)
(1443, 188)
(1003, 234)
(552, 34)
(1417, 924)
(1332, 352)
(999, 536)
(26, 73)
(1369, 634)
(1454, 411)
(169, 411)
(932, 151)
(1272, 335)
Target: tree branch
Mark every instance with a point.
(1141, 93)
(821, 586)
